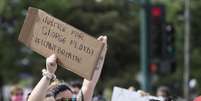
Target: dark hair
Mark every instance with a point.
(165, 90)
(76, 83)
(59, 88)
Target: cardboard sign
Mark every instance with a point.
(76, 51)
(120, 94)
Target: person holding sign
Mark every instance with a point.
(62, 92)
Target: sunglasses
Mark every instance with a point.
(67, 99)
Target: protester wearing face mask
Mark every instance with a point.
(16, 93)
(43, 91)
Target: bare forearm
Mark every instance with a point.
(40, 90)
(89, 85)
(88, 89)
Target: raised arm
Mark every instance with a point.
(89, 85)
(40, 90)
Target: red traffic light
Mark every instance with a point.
(153, 68)
(156, 11)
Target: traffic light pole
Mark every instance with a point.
(144, 58)
(187, 50)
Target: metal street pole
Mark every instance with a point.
(187, 50)
(144, 61)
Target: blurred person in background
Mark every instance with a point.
(131, 88)
(16, 93)
(164, 93)
(99, 97)
(43, 91)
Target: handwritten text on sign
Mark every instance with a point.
(76, 51)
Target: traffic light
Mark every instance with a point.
(156, 29)
(161, 41)
(167, 62)
(168, 57)
(168, 42)
(156, 26)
